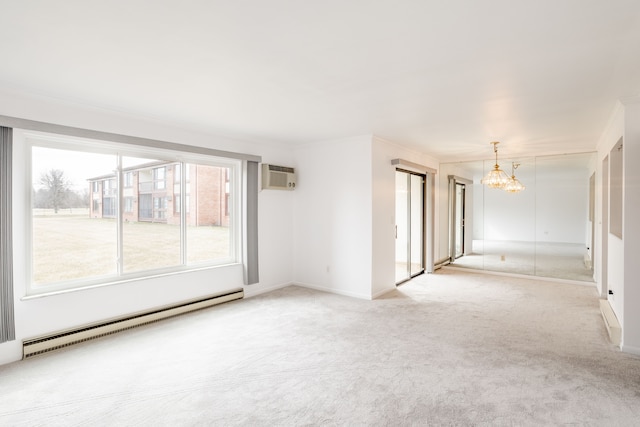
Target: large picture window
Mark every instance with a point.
(102, 212)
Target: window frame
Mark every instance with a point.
(236, 167)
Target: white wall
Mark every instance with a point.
(562, 206)
(345, 215)
(511, 217)
(333, 217)
(615, 263)
(553, 207)
(631, 228)
(477, 211)
(43, 315)
(623, 268)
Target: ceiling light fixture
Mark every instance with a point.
(496, 178)
(514, 185)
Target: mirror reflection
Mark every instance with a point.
(544, 230)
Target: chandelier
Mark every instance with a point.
(496, 178)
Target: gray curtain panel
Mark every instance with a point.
(251, 276)
(7, 320)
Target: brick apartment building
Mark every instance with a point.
(151, 193)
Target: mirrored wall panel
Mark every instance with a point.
(543, 229)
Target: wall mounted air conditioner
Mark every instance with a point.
(278, 177)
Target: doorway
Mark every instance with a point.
(410, 224)
(458, 224)
(459, 220)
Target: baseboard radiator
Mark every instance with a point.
(62, 339)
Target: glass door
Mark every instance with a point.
(459, 220)
(409, 225)
(416, 221)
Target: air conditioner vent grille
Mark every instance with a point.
(278, 179)
(286, 169)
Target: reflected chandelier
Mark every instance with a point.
(496, 178)
(514, 185)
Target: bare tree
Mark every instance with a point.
(57, 186)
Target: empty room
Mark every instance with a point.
(319, 213)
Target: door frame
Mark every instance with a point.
(429, 207)
(460, 226)
(423, 223)
(604, 244)
(453, 181)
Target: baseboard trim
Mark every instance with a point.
(383, 292)
(630, 349)
(333, 291)
(254, 290)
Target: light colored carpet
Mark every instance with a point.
(452, 348)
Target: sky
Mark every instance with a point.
(77, 166)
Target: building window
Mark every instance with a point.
(160, 207)
(128, 204)
(109, 187)
(159, 178)
(109, 207)
(149, 241)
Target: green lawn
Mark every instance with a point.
(77, 247)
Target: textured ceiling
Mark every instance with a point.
(442, 77)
